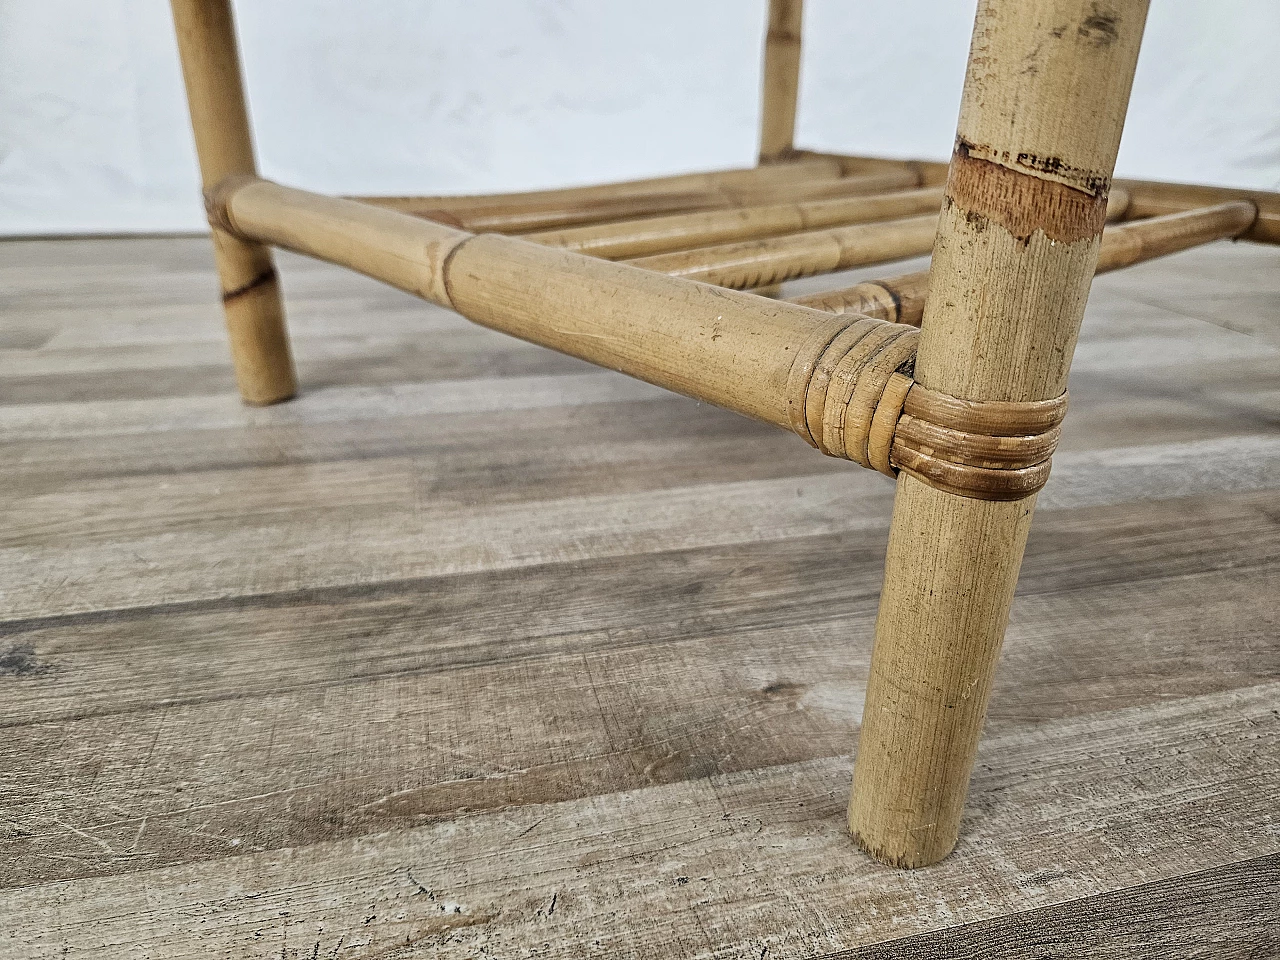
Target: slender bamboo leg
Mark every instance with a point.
(1044, 103)
(781, 80)
(250, 290)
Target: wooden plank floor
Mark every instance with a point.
(478, 651)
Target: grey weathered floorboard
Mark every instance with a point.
(476, 648)
(1227, 912)
(736, 865)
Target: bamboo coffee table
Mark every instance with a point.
(951, 381)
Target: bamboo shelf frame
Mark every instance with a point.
(951, 380)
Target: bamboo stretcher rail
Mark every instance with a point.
(731, 349)
(774, 260)
(535, 214)
(1154, 199)
(1149, 198)
(1137, 241)
(685, 231)
(841, 383)
(809, 167)
(901, 299)
(409, 253)
(930, 173)
(755, 263)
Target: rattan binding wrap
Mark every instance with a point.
(851, 395)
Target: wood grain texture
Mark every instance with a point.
(1232, 910)
(737, 864)
(728, 703)
(568, 653)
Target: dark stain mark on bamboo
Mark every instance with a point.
(990, 192)
(1101, 27)
(261, 280)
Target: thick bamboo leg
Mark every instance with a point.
(250, 290)
(1043, 106)
(781, 80)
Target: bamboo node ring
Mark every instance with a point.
(852, 395)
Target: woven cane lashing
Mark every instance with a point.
(852, 396)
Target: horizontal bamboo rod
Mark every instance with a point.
(734, 350)
(406, 252)
(901, 299)
(931, 173)
(731, 349)
(755, 263)
(537, 214)
(807, 168)
(684, 231)
(1150, 198)
(1139, 240)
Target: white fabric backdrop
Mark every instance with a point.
(437, 96)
